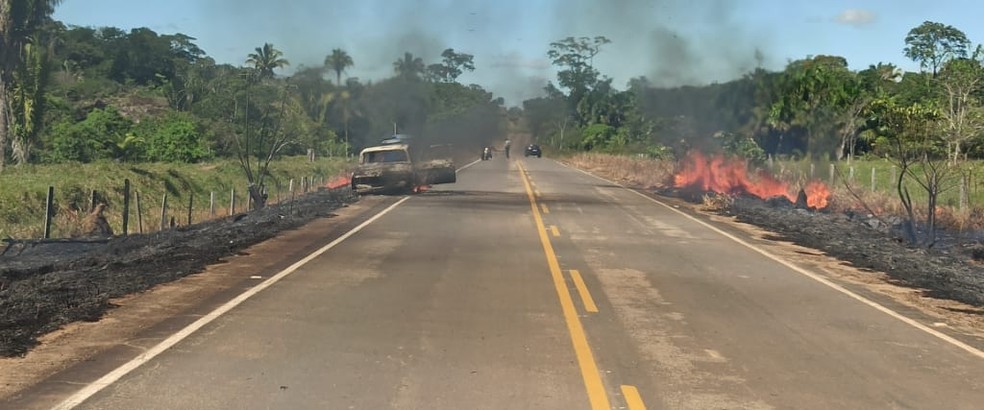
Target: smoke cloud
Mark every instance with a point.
(672, 42)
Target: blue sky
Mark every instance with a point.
(672, 42)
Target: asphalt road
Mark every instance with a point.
(530, 285)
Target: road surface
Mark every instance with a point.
(529, 285)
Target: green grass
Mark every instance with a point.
(883, 182)
(23, 191)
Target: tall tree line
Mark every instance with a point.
(815, 107)
(86, 94)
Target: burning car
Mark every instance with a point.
(399, 165)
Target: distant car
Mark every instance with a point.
(533, 150)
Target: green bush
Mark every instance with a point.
(175, 138)
(741, 146)
(102, 135)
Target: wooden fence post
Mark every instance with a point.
(813, 170)
(850, 175)
(211, 204)
(126, 207)
(964, 199)
(832, 174)
(894, 176)
(873, 183)
(92, 201)
(232, 202)
(139, 214)
(290, 209)
(49, 211)
(191, 202)
(164, 212)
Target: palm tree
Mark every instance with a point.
(338, 61)
(19, 22)
(409, 67)
(27, 101)
(266, 59)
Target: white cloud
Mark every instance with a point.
(856, 17)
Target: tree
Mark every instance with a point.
(919, 151)
(547, 116)
(819, 95)
(932, 44)
(452, 65)
(20, 21)
(338, 61)
(409, 67)
(28, 103)
(267, 112)
(575, 58)
(962, 113)
(266, 59)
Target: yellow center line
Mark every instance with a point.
(545, 209)
(554, 230)
(632, 397)
(585, 359)
(538, 194)
(582, 289)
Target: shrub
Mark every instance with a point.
(175, 138)
(102, 135)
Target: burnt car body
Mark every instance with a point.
(397, 165)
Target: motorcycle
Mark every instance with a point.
(487, 154)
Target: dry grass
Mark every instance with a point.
(715, 202)
(653, 174)
(633, 171)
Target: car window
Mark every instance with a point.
(385, 156)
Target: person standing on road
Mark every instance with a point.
(508, 144)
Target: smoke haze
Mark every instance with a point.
(671, 42)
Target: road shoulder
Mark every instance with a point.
(139, 321)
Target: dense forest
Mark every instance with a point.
(92, 94)
(816, 107)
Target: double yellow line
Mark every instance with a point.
(585, 359)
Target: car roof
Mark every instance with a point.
(390, 147)
(396, 139)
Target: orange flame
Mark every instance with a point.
(729, 176)
(817, 194)
(339, 181)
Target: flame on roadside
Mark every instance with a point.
(729, 176)
(421, 188)
(817, 194)
(340, 181)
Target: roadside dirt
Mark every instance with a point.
(132, 316)
(47, 286)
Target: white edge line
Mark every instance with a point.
(468, 165)
(905, 319)
(90, 390)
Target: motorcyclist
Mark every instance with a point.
(508, 144)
